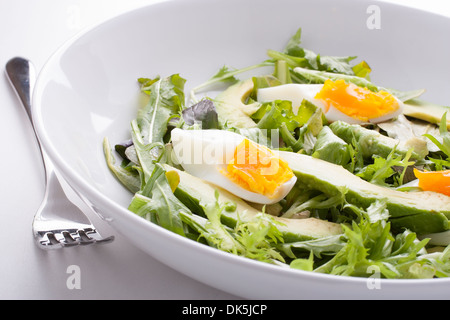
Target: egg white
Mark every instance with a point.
(205, 153)
(296, 93)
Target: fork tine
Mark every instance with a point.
(48, 241)
(64, 239)
(67, 240)
(92, 236)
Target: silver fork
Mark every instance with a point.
(58, 222)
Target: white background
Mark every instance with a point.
(34, 29)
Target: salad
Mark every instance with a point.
(305, 163)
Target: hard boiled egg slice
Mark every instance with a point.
(234, 163)
(338, 100)
(437, 181)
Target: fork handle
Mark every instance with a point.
(22, 76)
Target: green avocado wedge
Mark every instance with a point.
(193, 191)
(419, 211)
(427, 111)
(230, 106)
(374, 143)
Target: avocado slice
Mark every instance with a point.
(423, 110)
(421, 212)
(231, 108)
(192, 191)
(372, 142)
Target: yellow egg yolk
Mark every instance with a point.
(357, 102)
(437, 181)
(257, 169)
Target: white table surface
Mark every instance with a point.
(34, 29)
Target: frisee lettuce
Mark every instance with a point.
(371, 247)
(255, 239)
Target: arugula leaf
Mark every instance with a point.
(331, 148)
(146, 153)
(157, 203)
(166, 100)
(444, 146)
(225, 75)
(293, 45)
(305, 138)
(293, 61)
(382, 169)
(271, 115)
(128, 176)
(146, 84)
(296, 56)
(336, 64)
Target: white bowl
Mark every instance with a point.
(88, 90)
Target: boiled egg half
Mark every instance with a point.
(338, 100)
(244, 168)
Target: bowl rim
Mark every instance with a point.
(86, 190)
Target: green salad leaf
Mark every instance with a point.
(383, 169)
(157, 203)
(296, 56)
(166, 100)
(371, 246)
(127, 175)
(443, 143)
(272, 115)
(255, 239)
(331, 148)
